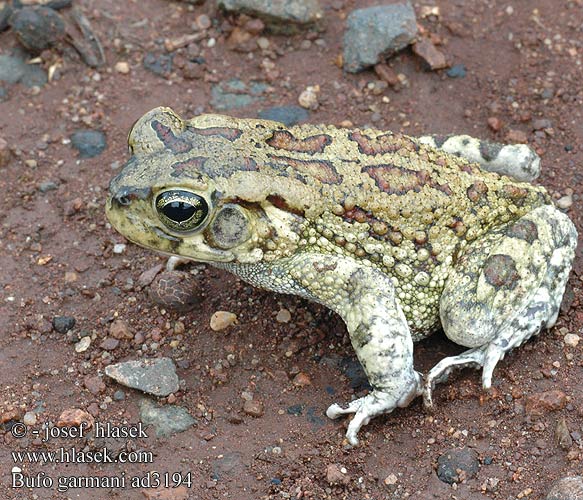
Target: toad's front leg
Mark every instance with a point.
(365, 298)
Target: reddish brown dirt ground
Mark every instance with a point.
(523, 64)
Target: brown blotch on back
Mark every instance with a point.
(227, 169)
(321, 170)
(524, 230)
(397, 180)
(500, 271)
(279, 202)
(283, 139)
(188, 168)
(170, 141)
(230, 134)
(377, 146)
(382, 144)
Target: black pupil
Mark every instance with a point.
(178, 211)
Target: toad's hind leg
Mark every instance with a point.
(503, 289)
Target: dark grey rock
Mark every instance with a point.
(89, 143)
(5, 14)
(452, 461)
(37, 28)
(155, 376)
(457, 71)
(567, 488)
(3, 94)
(236, 94)
(45, 187)
(288, 115)
(13, 69)
(166, 420)
(119, 395)
(282, 15)
(376, 32)
(63, 324)
(159, 64)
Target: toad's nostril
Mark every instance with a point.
(124, 200)
(126, 195)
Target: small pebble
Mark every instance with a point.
(457, 71)
(571, 339)
(562, 434)
(565, 202)
(63, 324)
(541, 124)
(120, 330)
(109, 344)
(263, 43)
(29, 418)
(83, 344)
(74, 417)
(308, 99)
(494, 123)
(45, 187)
(221, 320)
(301, 380)
(122, 67)
(203, 22)
(119, 248)
(516, 137)
(283, 316)
(119, 395)
(94, 385)
(390, 480)
(253, 408)
(335, 475)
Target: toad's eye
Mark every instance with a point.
(181, 211)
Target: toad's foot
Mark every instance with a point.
(440, 372)
(373, 404)
(365, 298)
(505, 289)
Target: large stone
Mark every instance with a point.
(14, 69)
(235, 93)
(376, 32)
(166, 420)
(567, 488)
(457, 464)
(278, 15)
(38, 28)
(153, 376)
(89, 143)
